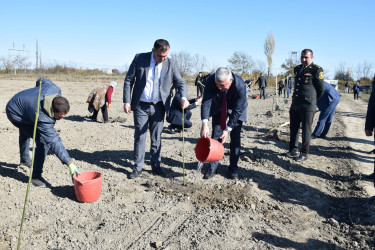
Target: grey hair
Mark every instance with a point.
(223, 74)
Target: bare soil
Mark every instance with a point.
(322, 203)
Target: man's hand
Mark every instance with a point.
(127, 108)
(368, 132)
(224, 136)
(73, 169)
(109, 105)
(184, 103)
(199, 100)
(205, 130)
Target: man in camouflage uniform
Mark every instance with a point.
(308, 88)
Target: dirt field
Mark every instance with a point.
(321, 203)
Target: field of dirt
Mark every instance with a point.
(322, 203)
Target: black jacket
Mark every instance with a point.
(308, 88)
(236, 100)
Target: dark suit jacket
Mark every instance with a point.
(236, 100)
(262, 82)
(175, 113)
(370, 116)
(136, 78)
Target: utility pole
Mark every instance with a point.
(13, 61)
(24, 58)
(36, 56)
(40, 60)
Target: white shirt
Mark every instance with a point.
(147, 95)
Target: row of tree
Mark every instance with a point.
(240, 63)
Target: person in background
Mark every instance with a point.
(224, 97)
(21, 111)
(370, 122)
(174, 116)
(347, 86)
(327, 105)
(356, 90)
(309, 87)
(262, 81)
(101, 98)
(281, 86)
(199, 82)
(290, 86)
(148, 85)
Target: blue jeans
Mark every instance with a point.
(289, 91)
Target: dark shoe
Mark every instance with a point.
(27, 164)
(369, 176)
(159, 171)
(233, 176)
(40, 182)
(293, 154)
(135, 174)
(301, 158)
(314, 136)
(107, 122)
(210, 173)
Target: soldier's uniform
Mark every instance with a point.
(308, 88)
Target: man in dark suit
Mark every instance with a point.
(147, 91)
(174, 116)
(370, 122)
(308, 88)
(327, 105)
(262, 86)
(224, 97)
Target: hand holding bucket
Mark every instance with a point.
(209, 150)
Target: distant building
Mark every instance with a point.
(109, 72)
(334, 83)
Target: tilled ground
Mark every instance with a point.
(321, 203)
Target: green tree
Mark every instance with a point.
(269, 48)
(288, 66)
(241, 63)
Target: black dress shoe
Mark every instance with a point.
(40, 182)
(210, 173)
(369, 176)
(314, 136)
(234, 176)
(301, 158)
(293, 154)
(27, 164)
(135, 174)
(159, 171)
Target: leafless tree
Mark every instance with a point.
(184, 62)
(363, 70)
(269, 48)
(6, 63)
(199, 63)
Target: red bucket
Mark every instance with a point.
(209, 150)
(87, 186)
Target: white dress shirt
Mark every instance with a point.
(147, 95)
